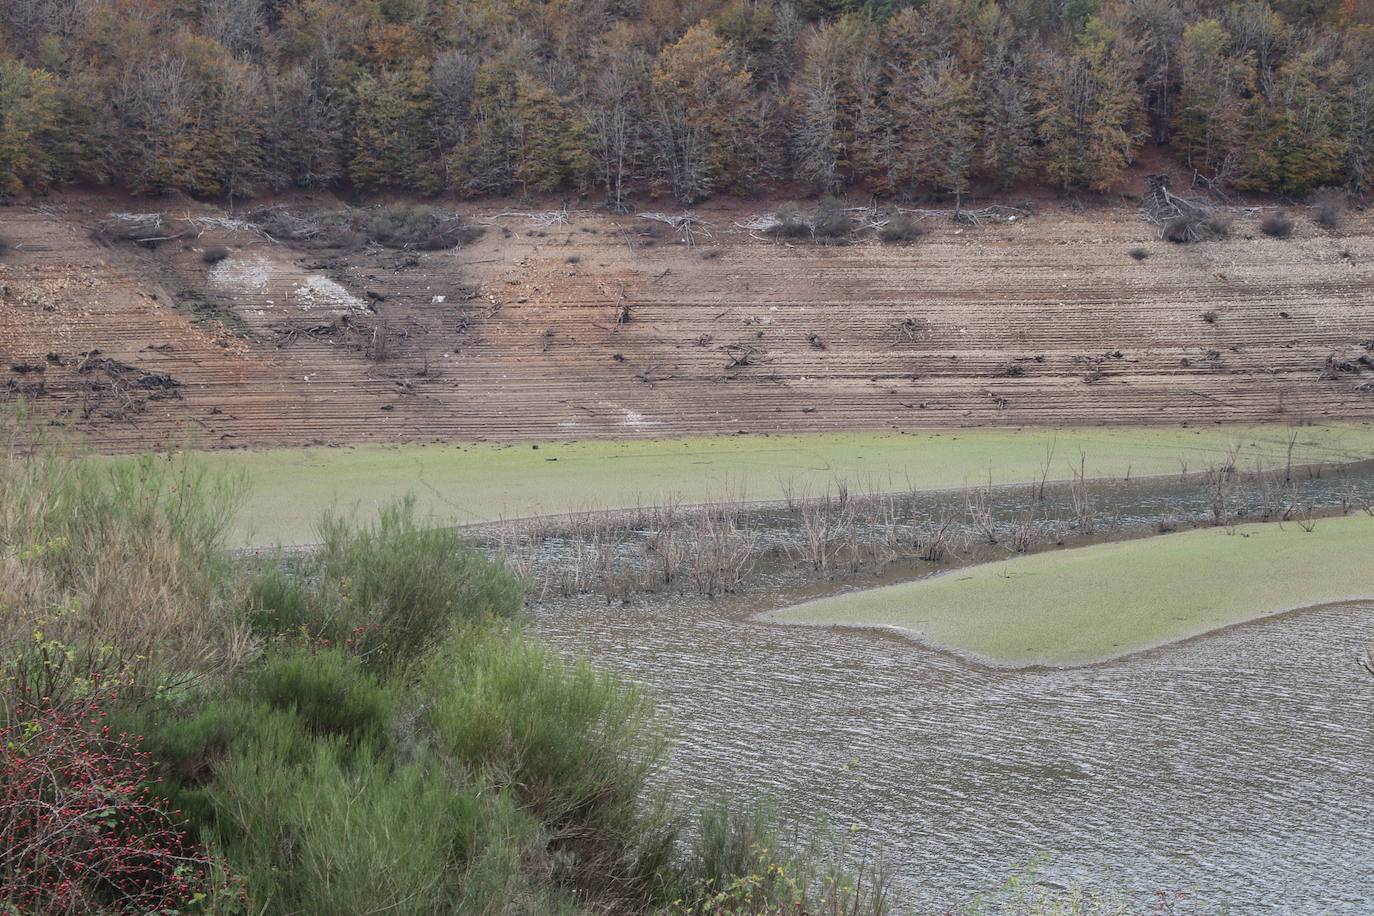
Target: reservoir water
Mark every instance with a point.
(1236, 768)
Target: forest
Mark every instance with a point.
(681, 99)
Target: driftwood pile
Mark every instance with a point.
(1180, 219)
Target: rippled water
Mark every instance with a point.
(1237, 768)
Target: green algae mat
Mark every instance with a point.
(457, 484)
(1104, 601)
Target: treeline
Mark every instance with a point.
(223, 98)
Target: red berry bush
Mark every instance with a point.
(82, 831)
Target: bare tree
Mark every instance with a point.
(452, 78)
(616, 116)
(236, 24)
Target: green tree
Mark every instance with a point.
(29, 111)
(1217, 88)
(391, 143)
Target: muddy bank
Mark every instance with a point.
(600, 326)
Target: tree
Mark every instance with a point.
(29, 109)
(1299, 141)
(1155, 29)
(1213, 110)
(238, 25)
(553, 144)
(818, 145)
(302, 132)
(391, 142)
(616, 114)
(699, 103)
(1008, 123)
(1088, 114)
(934, 110)
(1358, 125)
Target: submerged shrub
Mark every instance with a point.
(740, 864)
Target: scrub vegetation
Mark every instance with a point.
(1107, 600)
(363, 730)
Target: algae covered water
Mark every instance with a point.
(1236, 768)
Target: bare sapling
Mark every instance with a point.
(1080, 499)
(978, 505)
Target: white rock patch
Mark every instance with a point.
(322, 291)
(242, 273)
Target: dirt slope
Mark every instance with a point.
(525, 333)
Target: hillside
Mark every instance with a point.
(614, 326)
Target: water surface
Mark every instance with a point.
(1237, 767)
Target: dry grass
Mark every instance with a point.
(109, 570)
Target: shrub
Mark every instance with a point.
(214, 255)
(419, 227)
(1328, 208)
(790, 223)
(390, 591)
(1197, 228)
(1277, 225)
(327, 689)
(902, 228)
(1139, 254)
(832, 224)
(1209, 316)
(82, 831)
(573, 746)
(116, 567)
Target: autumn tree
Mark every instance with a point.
(391, 144)
(699, 108)
(29, 109)
(1088, 111)
(934, 110)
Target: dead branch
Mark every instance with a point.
(686, 225)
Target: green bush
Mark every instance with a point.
(902, 228)
(390, 591)
(573, 746)
(328, 690)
